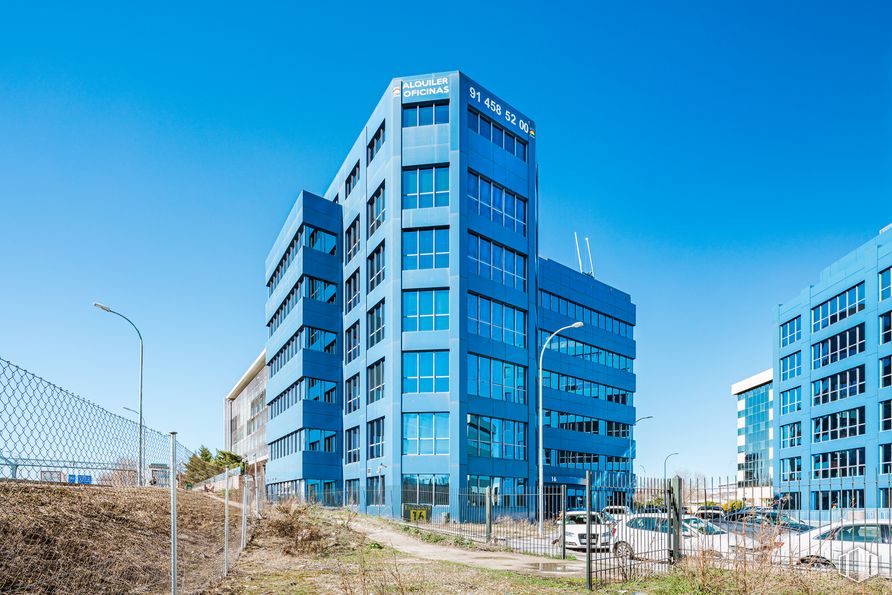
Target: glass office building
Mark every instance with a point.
(407, 303)
(755, 453)
(245, 415)
(833, 379)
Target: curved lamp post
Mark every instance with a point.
(139, 334)
(541, 447)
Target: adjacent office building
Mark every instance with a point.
(833, 377)
(246, 413)
(406, 306)
(755, 451)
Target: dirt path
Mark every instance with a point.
(386, 534)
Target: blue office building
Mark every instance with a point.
(406, 306)
(833, 386)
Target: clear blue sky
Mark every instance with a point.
(717, 156)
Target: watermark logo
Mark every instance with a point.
(858, 564)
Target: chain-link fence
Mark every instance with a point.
(78, 513)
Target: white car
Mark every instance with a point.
(617, 510)
(862, 547)
(577, 537)
(647, 536)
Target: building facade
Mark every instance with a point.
(406, 308)
(246, 415)
(755, 451)
(833, 378)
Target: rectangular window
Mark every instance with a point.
(375, 381)
(836, 499)
(585, 388)
(306, 287)
(885, 416)
(842, 424)
(586, 351)
(375, 144)
(425, 310)
(590, 317)
(425, 372)
(351, 398)
(352, 238)
(496, 134)
(617, 429)
(494, 261)
(426, 249)
(576, 423)
(840, 463)
(885, 458)
(492, 378)
(497, 203)
(351, 492)
(791, 435)
(838, 347)
(374, 490)
(304, 389)
(506, 491)
(886, 284)
(352, 180)
(497, 438)
(837, 308)
(842, 385)
(351, 342)
(351, 287)
(375, 324)
(497, 321)
(791, 469)
(791, 331)
(351, 445)
(791, 400)
(426, 186)
(425, 114)
(791, 366)
(427, 489)
(376, 438)
(375, 210)
(571, 459)
(306, 337)
(425, 433)
(886, 372)
(375, 267)
(886, 328)
(307, 236)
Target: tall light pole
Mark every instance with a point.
(139, 334)
(541, 443)
(631, 470)
(665, 488)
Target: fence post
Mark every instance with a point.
(244, 511)
(563, 521)
(226, 529)
(172, 480)
(488, 508)
(674, 510)
(588, 530)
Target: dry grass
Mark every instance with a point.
(92, 539)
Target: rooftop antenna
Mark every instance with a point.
(591, 265)
(578, 255)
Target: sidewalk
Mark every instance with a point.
(384, 533)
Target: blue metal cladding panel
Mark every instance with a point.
(863, 265)
(454, 145)
(313, 210)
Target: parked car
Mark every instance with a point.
(616, 510)
(602, 530)
(647, 536)
(862, 546)
(710, 512)
(765, 525)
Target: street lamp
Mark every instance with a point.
(139, 334)
(631, 470)
(541, 447)
(665, 487)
